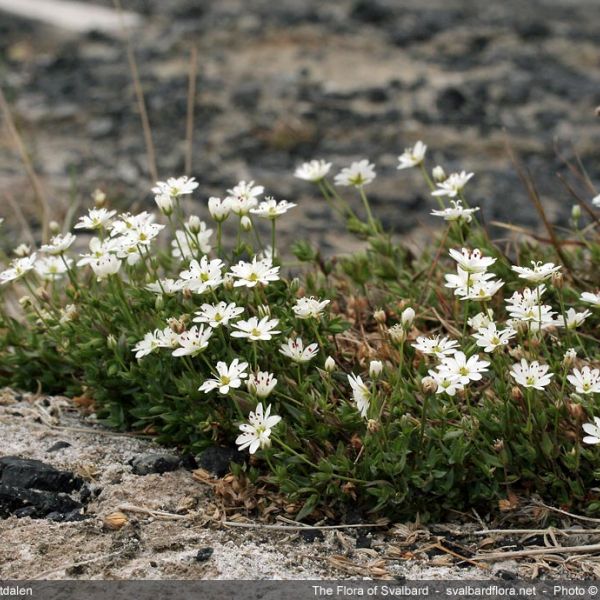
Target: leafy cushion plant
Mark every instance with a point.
(382, 380)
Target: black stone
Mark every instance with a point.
(311, 535)
(204, 554)
(363, 541)
(188, 462)
(58, 446)
(155, 463)
(34, 474)
(370, 11)
(39, 502)
(216, 459)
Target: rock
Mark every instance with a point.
(188, 461)
(58, 446)
(311, 535)
(204, 554)
(155, 463)
(34, 474)
(364, 540)
(247, 95)
(371, 11)
(39, 503)
(216, 459)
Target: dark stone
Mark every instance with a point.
(247, 95)
(507, 575)
(451, 100)
(311, 535)
(370, 11)
(204, 554)
(378, 95)
(34, 474)
(58, 446)
(216, 459)
(26, 511)
(188, 462)
(363, 540)
(40, 502)
(155, 463)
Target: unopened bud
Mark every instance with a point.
(194, 224)
(111, 341)
(246, 223)
(25, 301)
(187, 294)
(22, 250)
(380, 316)
(329, 364)
(373, 426)
(569, 357)
(576, 411)
(498, 445)
(407, 318)
(516, 394)
(228, 281)
(438, 174)
(429, 385)
(375, 368)
(43, 294)
(54, 227)
(576, 212)
(558, 280)
(159, 302)
(264, 310)
(99, 198)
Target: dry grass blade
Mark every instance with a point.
(589, 549)
(38, 190)
(191, 101)
(533, 195)
(139, 94)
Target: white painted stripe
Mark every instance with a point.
(80, 17)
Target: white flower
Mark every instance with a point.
(309, 307)
(472, 261)
(295, 350)
(593, 432)
(228, 377)
(357, 174)
(540, 271)
(452, 185)
(148, 345)
(257, 432)
(411, 157)
(219, 209)
(586, 381)
(481, 320)
(261, 383)
(22, 250)
(59, 244)
(590, 298)
(473, 286)
(255, 330)
(203, 276)
(531, 375)
(482, 290)
(52, 267)
(175, 187)
(314, 171)
(573, 319)
(525, 307)
(105, 266)
(436, 346)
(456, 212)
(243, 196)
(18, 268)
(446, 382)
(407, 317)
(251, 273)
(361, 394)
(193, 341)
(165, 286)
(271, 209)
(490, 338)
(217, 314)
(466, 369)
(98, 250)
(596, 201)
(97, 218)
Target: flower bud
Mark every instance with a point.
(329, 364)
(576, 212)
(375, 368)
(429, 385)
(43, 294)
(558, 280)
(438, 174)
(165, 204)
(246, 223)
(380, 316)
(22, 250)
(54, 227)
(569, 357)
(228, 281)
(194, 224)
(159, 302)
(111, 341)
(576, 411)
(516, 394)
(99, 198)
(408, 317)
(25, 301)
(264, 310)
(373, 426)
(498, 445)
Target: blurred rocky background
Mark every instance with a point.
(283, 82)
